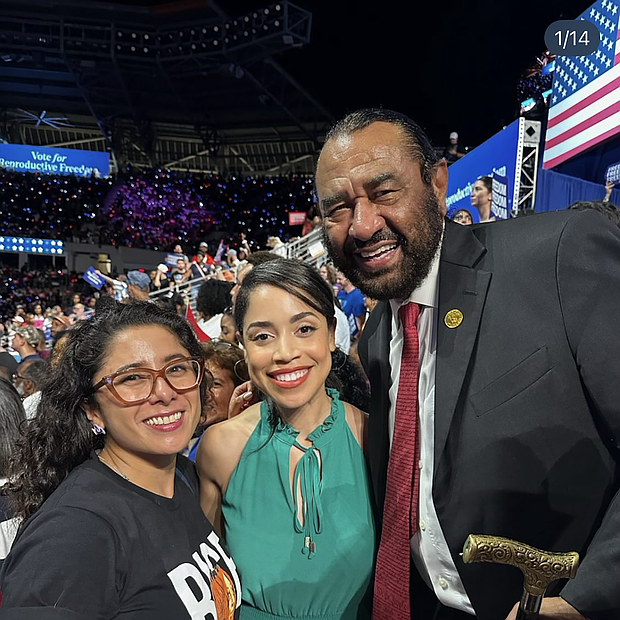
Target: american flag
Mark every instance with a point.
(585, 103)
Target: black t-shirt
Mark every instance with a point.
(102, 548)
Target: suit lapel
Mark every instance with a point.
(380, 379)
(461, 287)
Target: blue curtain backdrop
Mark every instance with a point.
(556, 191)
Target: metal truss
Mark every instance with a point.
(527, 165)
(178, 148)
(214, 75)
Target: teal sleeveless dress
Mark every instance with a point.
(319, 569)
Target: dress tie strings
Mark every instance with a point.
(307, 478)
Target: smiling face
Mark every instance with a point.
(221, 392)
(382, 222)
(288, 348)
(164, 423)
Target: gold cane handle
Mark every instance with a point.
(539, 568)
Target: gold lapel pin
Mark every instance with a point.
(453, 318)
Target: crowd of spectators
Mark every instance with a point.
(147, 209)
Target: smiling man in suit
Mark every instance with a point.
(504, 416)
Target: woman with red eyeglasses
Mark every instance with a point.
(111, 522)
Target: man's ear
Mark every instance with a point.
(440, 184)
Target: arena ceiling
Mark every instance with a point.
(160, 83)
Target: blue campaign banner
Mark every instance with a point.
(498, 155)
(93, 278)
(46, 160)
(499, 199)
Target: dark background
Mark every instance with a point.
(451, 65)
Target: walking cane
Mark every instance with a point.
(539, 568)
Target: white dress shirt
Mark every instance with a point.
(343, 333)
(429, 548)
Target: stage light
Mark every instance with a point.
(276, 23)
(133, 48)
(277, 7)
(204, 30)
(145, 50)
(266, 11)
(216, 28)
(134, 35)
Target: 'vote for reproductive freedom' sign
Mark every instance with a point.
(46, 160)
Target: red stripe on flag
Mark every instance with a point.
(551, 163)
(191, 319)
(584, 103)
(592, 120)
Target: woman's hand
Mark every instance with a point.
(242, 397)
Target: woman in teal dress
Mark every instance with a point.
(286, 481)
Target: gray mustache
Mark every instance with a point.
(381, 235)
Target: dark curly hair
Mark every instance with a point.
(213, 297)
(12, 416)
(60, 437)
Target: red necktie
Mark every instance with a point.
(400, 511)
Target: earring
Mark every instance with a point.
(98, 430)
(242, 376)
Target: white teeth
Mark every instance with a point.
(167, 419)
(292, 376)
(385, 248)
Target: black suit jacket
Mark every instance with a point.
(527, 401)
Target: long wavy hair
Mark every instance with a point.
(60, 437)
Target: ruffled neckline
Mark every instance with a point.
(287, 433)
